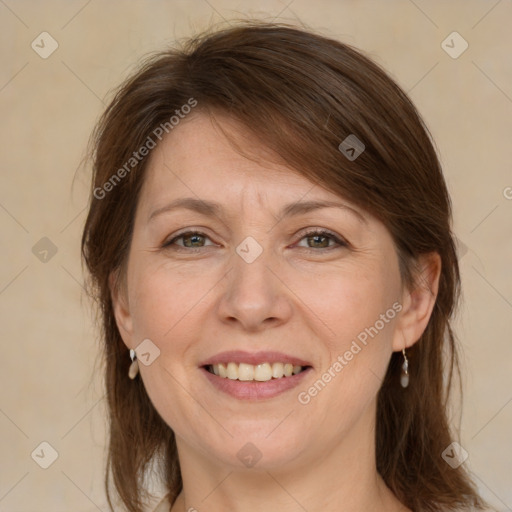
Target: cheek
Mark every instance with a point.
(163, 298)
(356, 308)
(348, 303)
(166, 305)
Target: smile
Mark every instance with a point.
(261, 372)
(254, 375)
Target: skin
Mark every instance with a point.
(308, 303)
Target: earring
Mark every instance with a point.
(134, 367)
(404, 378)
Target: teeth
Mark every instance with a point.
(277, 370)
(222, 370)
(232, 371)
(245, 371)
(262, 372)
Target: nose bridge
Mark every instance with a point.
(252, 261)
(250, 279)
(253, 294)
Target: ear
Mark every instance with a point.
(418, 302)
(121, 308)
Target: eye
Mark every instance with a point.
(191, 240)
(195, 240)
(321, 238)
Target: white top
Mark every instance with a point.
(164, 505)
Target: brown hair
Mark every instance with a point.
(300, 94)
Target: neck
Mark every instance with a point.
(343, 473)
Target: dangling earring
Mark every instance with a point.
(134, 367)
(404, 378)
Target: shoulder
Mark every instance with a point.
(164, 505)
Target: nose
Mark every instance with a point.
(255, 296)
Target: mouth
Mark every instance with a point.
(254, 376)
(262, 372)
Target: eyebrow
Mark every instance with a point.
(212, 208)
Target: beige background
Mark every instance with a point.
(50, 390)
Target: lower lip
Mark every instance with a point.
(254, 390)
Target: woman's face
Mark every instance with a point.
(256, 282)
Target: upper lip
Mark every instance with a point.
(254, 358)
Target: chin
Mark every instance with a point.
(259, 451)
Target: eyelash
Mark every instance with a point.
(318, 232)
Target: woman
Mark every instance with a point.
(269, 239)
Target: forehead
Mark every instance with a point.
(199, 149)
(197, 159)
